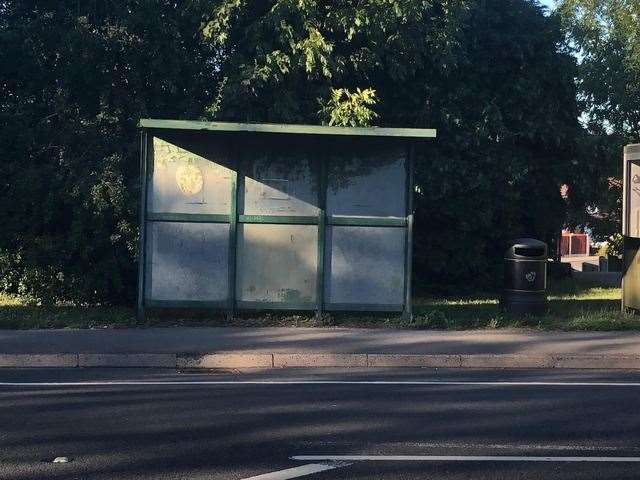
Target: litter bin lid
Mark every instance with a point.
(527, 248)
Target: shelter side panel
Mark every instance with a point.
(368, 182)
(276, 182)
(365, 266)
(189, 176)
(187, 261)
(277, 264)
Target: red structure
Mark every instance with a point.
(574, 244)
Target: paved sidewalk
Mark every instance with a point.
(280, 347)
(325, 340)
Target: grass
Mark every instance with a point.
(571, 307)
(16, 313)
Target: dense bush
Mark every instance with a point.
(76, 77)
(506, 119)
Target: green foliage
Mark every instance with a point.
(349, 109)
(615, 246)
(595, 187)
(606, 34)
(282, 55)
(506, 118)
(75, 79)
(606, 37)
(491, 76)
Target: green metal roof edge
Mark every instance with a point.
(287, 128)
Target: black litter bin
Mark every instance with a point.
(525, 277)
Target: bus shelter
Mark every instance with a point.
(275, 217)
(631, 228)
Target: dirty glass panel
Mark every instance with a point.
(371, 183)
(365, 265)
(277, 263)
(634, 200)
(187, 261)
(183, 181)
(280, 184)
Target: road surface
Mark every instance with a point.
(319, 425)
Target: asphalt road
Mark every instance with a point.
(340, 424)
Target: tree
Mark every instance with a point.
(350, 109)
(605, 35)
(492, 77)
(282, 58)
(76, 77)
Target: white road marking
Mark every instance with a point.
(457, 458)
(489, 446)
(131, 383)
(298, 471)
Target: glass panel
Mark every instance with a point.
(277, 263)
(372, 183)
(365, 265)
(634, 200)
(187, 261)
(185, 182)
(280, 184)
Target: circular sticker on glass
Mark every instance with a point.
(189, 179)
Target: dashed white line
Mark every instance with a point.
(296, 472)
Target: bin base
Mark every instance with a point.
(524, 303)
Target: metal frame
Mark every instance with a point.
(279, 219)
(408, 307)
(367, 221)
(364, 307)
(188, 217)
(142, 227)
(203, 304)
(236, 178)
(625, 195)
(294, 306)
(287, 128)
(322, 220)
(322, 234)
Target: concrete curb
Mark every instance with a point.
(39, 360)
(284, 360)
(225, 360)
(317, 360)
(167, 360)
